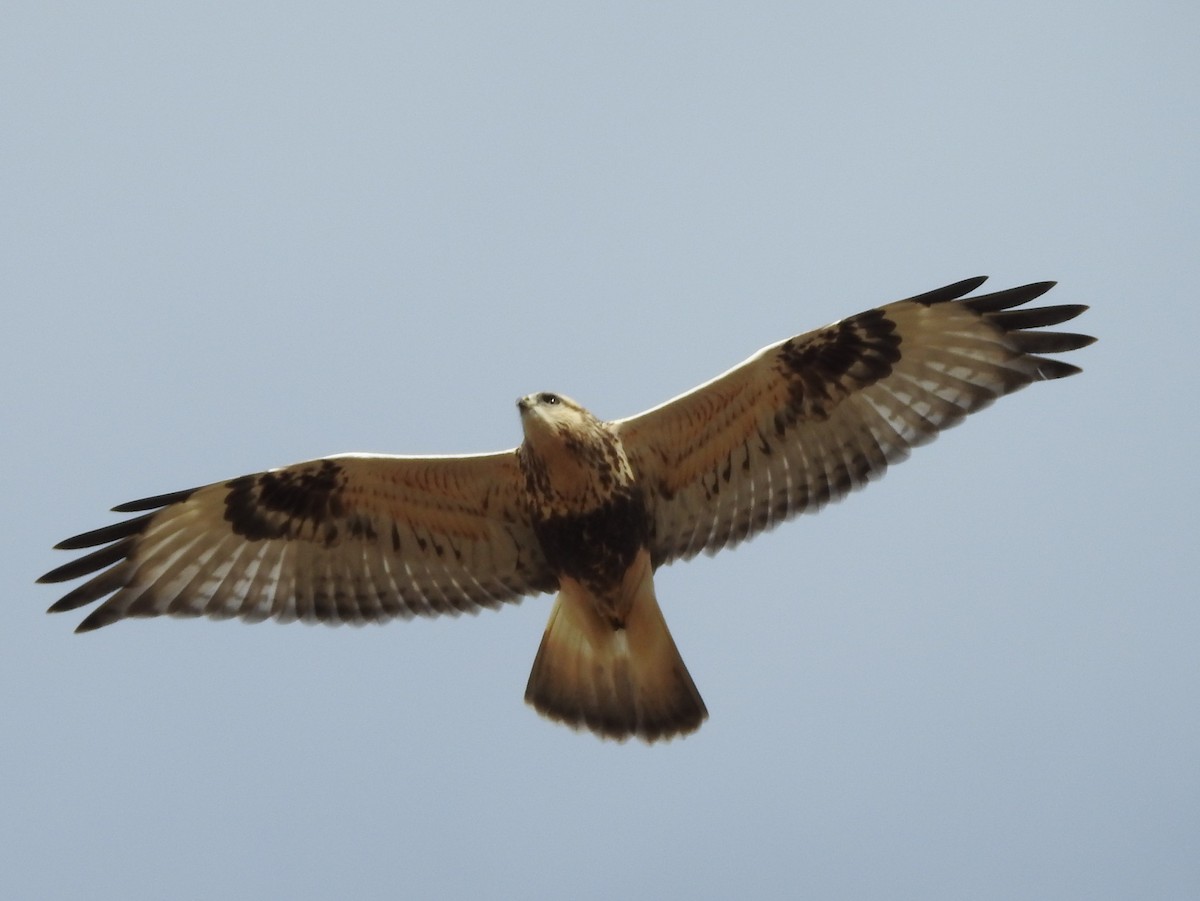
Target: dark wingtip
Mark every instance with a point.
(89, 563)
(98, 619)
(1036, 317)
(153, 503)
(1055, 369)
(105, 534)
(967, 285)
(1008, 298)
(1050, 342)
(950, 292)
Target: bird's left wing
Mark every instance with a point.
(805, 421)
(346, 539)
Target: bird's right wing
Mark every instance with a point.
(346, 539)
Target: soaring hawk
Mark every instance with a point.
(584, 508)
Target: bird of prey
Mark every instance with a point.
(583, 508)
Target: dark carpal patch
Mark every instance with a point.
(596, 548)
(277, 504)
(852, 354)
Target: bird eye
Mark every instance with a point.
(548, 398)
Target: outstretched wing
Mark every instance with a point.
(805, 421)
(347, 539)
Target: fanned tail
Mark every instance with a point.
(615, 679)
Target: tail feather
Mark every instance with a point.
(615, 680)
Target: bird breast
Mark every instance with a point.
(573, 468)
(588, 512)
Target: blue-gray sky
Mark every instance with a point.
(235, 236)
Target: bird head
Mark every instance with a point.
(554, 421)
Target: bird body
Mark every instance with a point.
(583, 508)
(607, 660)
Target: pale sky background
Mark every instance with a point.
(234, 236)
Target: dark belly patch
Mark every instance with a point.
(596, 548)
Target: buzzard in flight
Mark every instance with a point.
(584, 508)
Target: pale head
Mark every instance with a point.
(549, 413)
(579, 456)
(554, 424)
